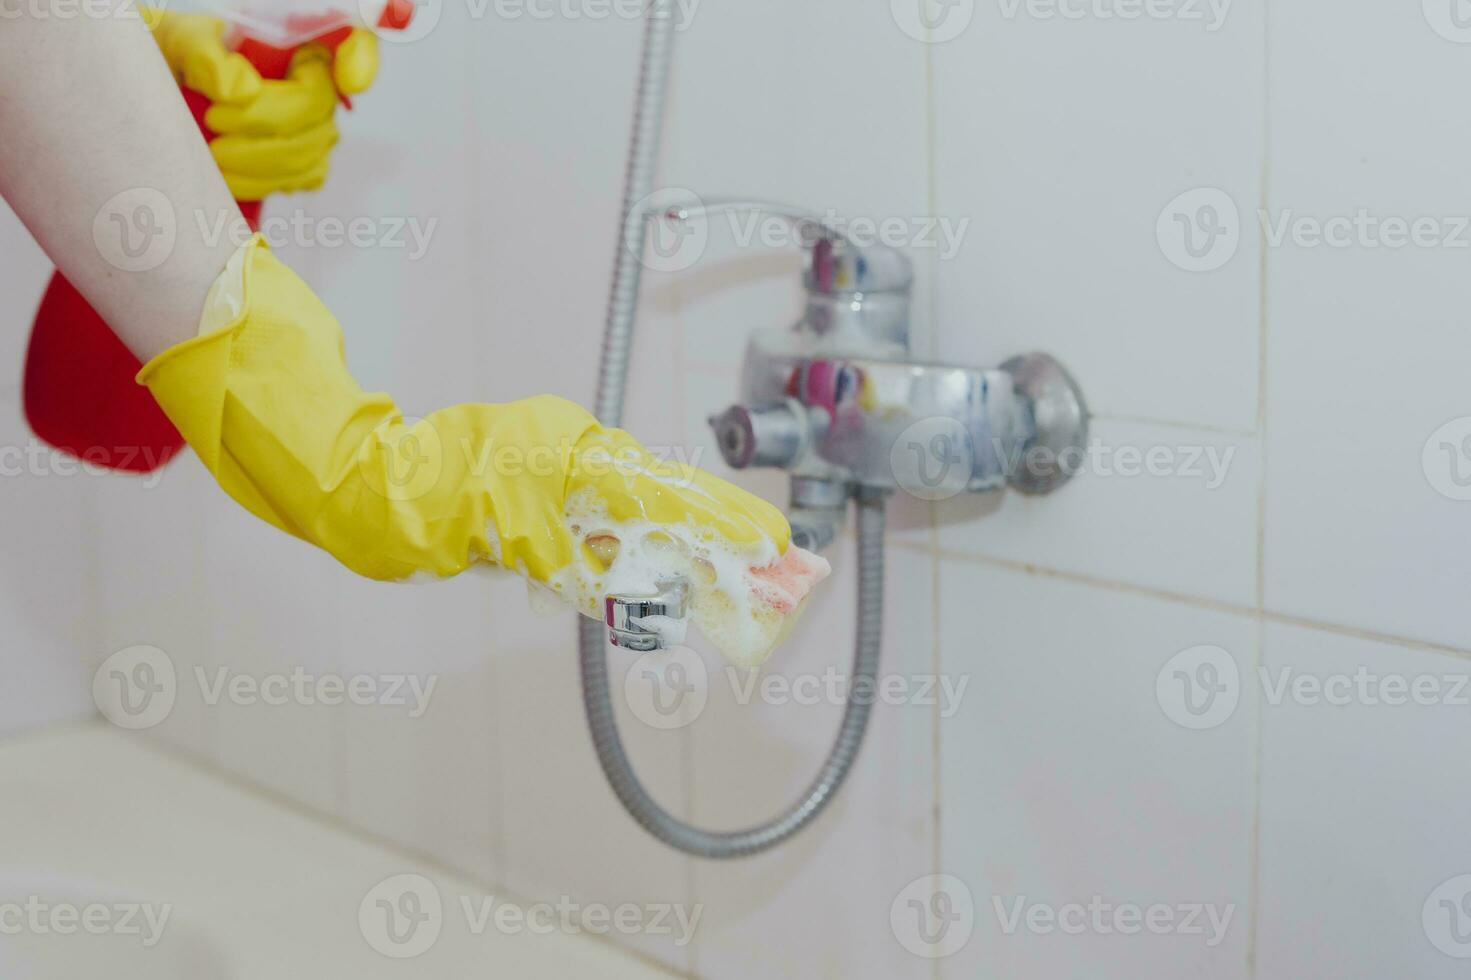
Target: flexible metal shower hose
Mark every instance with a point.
(638, 183)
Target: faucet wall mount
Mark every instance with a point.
(837, 399)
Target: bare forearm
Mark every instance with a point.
(102, 161)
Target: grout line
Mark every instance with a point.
(1223, 430)
(937, 742)
(497, 761)
(1254, 838)
(932, 285)
(937, 847)
(1263, 280)
(1199, 602)
(678, 325)
(209, 641)
(92, 577)
(340, 723)
(932, 197)
(1263, 320)
(689, 872)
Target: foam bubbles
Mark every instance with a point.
(743, 599)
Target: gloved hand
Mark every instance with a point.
(273, 135)
(537, 486)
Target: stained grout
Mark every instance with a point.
(1198, 602)
(1263, 320)
(1254, 843)
(937, 846)
(1222, 430)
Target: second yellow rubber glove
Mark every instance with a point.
(537, 486)
(272, 135)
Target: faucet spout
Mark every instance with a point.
(648, 622)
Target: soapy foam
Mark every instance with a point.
(742, 599)
(671, 631)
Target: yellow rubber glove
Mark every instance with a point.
(264, 396)
(273, 135)
(355, 64)
(281, 140)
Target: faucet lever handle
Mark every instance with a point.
(836, 264)
(626, 616)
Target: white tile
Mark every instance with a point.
(272, 606)
(546, 203)
(564, 832)
(551, 101)
(1063, 777)
(1184, 523)
(1365, 343)
(755, 753)
(1362, 806)
(152, 587)
(1062, 140)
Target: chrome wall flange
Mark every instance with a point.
(1059, 424)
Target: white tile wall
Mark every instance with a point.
(431, 781)
(1063, 141)
(272, 608)
(1175, 525)
(152, 587)
(1065, 777)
